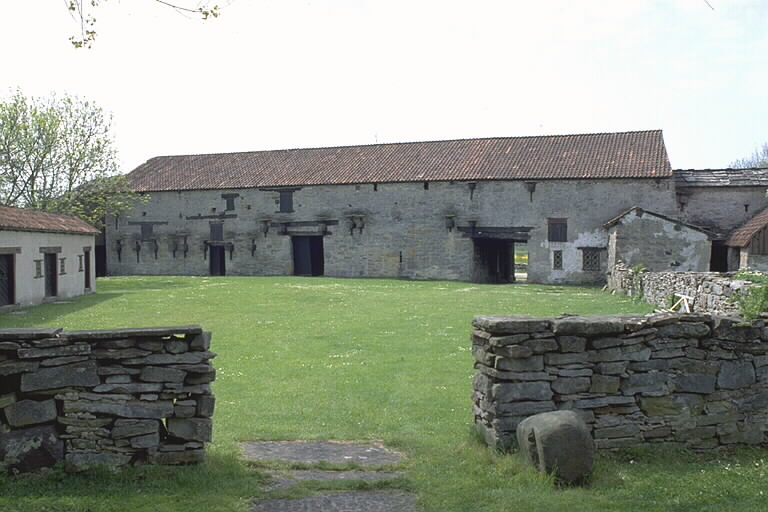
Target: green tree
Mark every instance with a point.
(83, 13)
(57, 154)
(758, 159)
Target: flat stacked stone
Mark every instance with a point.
(692, 380)
(109, 397)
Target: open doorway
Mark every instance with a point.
(520, 256)
(308, 257)
(718, 261)
(493, 260)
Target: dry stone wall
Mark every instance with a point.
(711, 291)
(692, 380)
(112, 397)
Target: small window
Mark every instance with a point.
(426, 185)
(558, 230)
(230, 204)
(590, 259)
(557, 260)
(286, 201)
(146, 231)
(79, 262)
(38, 268)
(62, 266)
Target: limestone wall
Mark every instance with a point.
(400, 229)
(711, 291)
(692, 380)
(112, 397)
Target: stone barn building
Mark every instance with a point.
(453, 209)
(44, 256)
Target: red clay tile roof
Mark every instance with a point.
(589, 156)
(742, 235)
(19, 219)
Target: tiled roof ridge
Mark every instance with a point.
(707, 169)
(27, 219)
(411, 142)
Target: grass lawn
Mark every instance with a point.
(320, 358)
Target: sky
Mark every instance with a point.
(276, 74)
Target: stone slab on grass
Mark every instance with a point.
(362, 501)
(314, 452)
(288, 478)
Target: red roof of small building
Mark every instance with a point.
(742, 235)
(20, 219)
(639, 154)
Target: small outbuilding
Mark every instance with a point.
(44, 256)
(748, 243)
(659, 242)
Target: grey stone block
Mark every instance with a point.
(588, 326)
(572, 343)
(515, 324)
(14, 367)
(130, 428)
(30, 412)
(190, 429)
(571, 385)
(515, 392)
(684, 330)
(704, 384)
(161, 374)
(514, 351)
(563, 359)
(78, 374)
(651, 382)
(525, 409)
(604, 384)
(557, 442)
(541, 345)
(531, 364)
(66, 350)
(201, 341)
(128, 409)
(735, 375)
(607, 342)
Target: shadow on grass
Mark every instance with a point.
(222, 482)
(34, 316)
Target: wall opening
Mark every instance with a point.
(217, 261)
(718, 260)
(308, 256)
(520, 256)
(7, 281)
(51, 275)
(87, 269)
(493, 260)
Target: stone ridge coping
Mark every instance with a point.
(141, 332)
(28, 334)
(596, 325)
(36, 334)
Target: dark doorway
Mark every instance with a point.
(87, 269)
(217, 260)
(494, 260)
(718, 259)
(51, 275)
(7, 282)
(101, 260)
(308, 257)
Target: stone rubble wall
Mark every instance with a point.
(111, 397)
(692, 380)
(711, 291)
